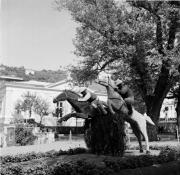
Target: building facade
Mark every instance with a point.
(12, 91)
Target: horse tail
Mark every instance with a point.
(148, 119)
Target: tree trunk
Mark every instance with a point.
(154, 113)
(153, 104)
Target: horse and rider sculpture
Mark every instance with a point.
(120, 100)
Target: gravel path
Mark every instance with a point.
(64, 145)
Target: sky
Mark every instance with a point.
(35, 35)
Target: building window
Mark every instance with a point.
(59, 109)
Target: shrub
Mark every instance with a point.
(33, 155)
(82, 167)
(155, 147)
(170, 153)
(11, 170)
(24, 135)
(37, 169)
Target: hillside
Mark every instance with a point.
(42, 75)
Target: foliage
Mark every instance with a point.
(42, 75)
(134, 39)
(33, 155)
(170, 152)
(17, 169)
(17, 118)
(85, 167)
(157, 147)
(41, 107)
(48, 75)
(26, 104)
(32, 103)
(24, 135)
(111, 36)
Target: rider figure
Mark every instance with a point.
(91, 97)
(126, 94)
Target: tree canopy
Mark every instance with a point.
(136, 39)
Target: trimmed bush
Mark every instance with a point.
(33, 155)
(39, 169)
(83, 166)
(154, 147)
(24, 136)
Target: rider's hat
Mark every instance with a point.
(78, 89)
(118, 82)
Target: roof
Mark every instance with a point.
(10, 78)
(57, 83)
(35, 83)
(99, 89)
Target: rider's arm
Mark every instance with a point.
(86, 97)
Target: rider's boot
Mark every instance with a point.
(104, 111)
(130, 110)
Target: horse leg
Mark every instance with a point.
(65, 118)
(100, 104)
(110, 108)
(80, 115)
(76, 115)
(147, 141)
(141, 121)
(144, 133)
(137, 133)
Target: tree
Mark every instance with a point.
(41, 107)
(32, 103)
(135, 39)
(26, 104)
(42, 75)
(24, 135)
(166, 16)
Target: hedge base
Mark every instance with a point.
(104, 134)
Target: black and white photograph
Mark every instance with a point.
(89, 87)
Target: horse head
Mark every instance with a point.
(105, 79)
(65, 95)
(72, 98)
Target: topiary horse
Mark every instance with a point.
(102, 134)
(118, 105)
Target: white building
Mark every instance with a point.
(12, 91)
(168, 111)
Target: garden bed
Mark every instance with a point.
(80, 162)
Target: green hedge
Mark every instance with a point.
(82, 167)
(154, 147)
(33, 155)
(24, 135)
